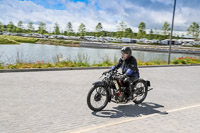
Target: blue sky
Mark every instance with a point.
(54, 4)
(109, 12)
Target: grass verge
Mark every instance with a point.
(4, 39)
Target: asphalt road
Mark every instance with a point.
(55, 101)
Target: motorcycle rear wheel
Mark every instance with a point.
(141, 90)
(97, 95)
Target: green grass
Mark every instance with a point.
(198, 46)
(5, 40)
(18, 39)
(57, 42)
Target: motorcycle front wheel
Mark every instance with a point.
(97, 98)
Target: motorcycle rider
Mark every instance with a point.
(130, 71)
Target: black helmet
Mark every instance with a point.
(126, 50)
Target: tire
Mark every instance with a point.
(100, 93)
(140, 89)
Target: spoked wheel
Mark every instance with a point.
(97, 98)
(141, 90)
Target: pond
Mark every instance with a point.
(26, 52)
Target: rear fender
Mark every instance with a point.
(148, 83)
(139, 79)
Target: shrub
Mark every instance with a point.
(186, 60)
(1, 66)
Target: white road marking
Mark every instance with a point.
(124, 120)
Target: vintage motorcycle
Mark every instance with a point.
(110, 90)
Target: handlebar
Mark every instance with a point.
(115, 71)
(114, 74)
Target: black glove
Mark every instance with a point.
(104, 73)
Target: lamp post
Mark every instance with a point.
(171, 32)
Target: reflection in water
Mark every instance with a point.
(36, 52)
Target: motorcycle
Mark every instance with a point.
(110, 90)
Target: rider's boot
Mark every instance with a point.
(130, 97)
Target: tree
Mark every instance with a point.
(150, 37)
(121, 28)
(42, 28)
(30, 27)
(178, 37)
(1, 27)
(166, 28)
(128, 32)
(141, 30)
(69, 29)
(82, 29)
(193, 30)
(182, 36)
(99, 27)
(56, 29)
(19, 27)
(103, 33)
(11, 27)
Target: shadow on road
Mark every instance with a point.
(131, 110)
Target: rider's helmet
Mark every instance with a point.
(127, 51)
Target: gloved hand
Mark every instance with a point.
(104, 73)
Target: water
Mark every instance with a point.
(26, 52)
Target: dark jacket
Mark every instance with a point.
(128, 66)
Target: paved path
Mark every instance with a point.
(55, 102)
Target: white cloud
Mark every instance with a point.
(164, 1)
(71, 6)
(26, 11)
(111, 12)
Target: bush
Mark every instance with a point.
(154, 62)
(186, 60)
(1, 66)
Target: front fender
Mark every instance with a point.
(98, 83)
(103, 84)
